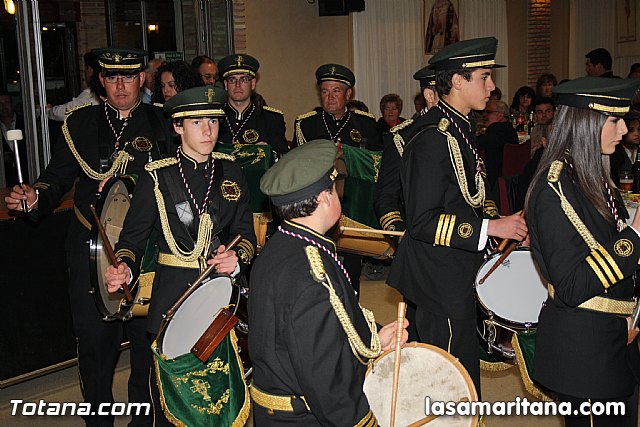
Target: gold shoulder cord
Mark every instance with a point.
(553, 177)
(119, 164)
(397, 138)
(299, 134)
(455, 155)
(204, 229)
(358, 347)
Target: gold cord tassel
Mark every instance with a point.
(575, 220)
(205, 229)
(477, 200)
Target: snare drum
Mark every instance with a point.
(194, 315)
(509, 300)
(425, 371)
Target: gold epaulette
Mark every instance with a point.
(157, 104)
(275, 110)
(305, 115)
(364, 113)
(158, 164)
(315, 262)
(554, 171)
(443, 125)
(401, 126)
(222, 156)
(76, 108)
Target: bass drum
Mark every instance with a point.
(193, 316)
(425, 370)
(509, 300)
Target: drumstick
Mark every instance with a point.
(200, 278)
(504, 242)
(430, 418)
(504, 256)
(107, 245)
(402, 308)
(373, 230)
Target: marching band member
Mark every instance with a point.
(443, 185)
(198, 199)
(309, 340)
(586, 253)
(120, 135)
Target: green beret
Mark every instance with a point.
(426, 76)
(474, 53)
(120, 59)
(605, 95)
(336, 73)
(238, 64)
(201, 101)
(302, 173)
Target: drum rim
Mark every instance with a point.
(488, 311)
(448, 356)
(94, 236)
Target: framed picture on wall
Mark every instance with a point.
(626, 20)
(441, 24)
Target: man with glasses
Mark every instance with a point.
(120, 135)
(207, 69)
(499, 133)
(246, 122)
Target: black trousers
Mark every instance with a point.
(627, 420)
(458, 337)
(99, 346)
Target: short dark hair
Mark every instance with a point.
(356, 104)
(443, 79)
(302, 208)
(199, 60)
(543, 100)
(600, 56)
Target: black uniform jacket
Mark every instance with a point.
(254, 124)
(360, 128)
(438, 257)
(94, 140)
(388, 200)
(578, 352)
(497, 135)
(296, 342)
(229, 209)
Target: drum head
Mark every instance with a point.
(515, 291)
(112, 207)
(194, 316)
(425, 371)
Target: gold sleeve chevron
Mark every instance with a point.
(121, 253)
(158, 164)
(223, 156)
(604, 266)
(490, 208)
(245, 251)
(446, 225)
(40, 185)
(387, 220)
(364, 113)
(275, 110)
(368, 420)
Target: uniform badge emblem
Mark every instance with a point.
(230, 190)
(355, 135)
(623, 247)
(465, 230)
(251, 136)
(141, 143)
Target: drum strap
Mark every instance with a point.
(180, 200)
(296, 404)
(105, 142)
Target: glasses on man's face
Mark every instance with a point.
(124, 79)
(208, 76)
(239, 80)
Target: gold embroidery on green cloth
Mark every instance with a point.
(239, 153)
(524, 373)
(216, 365)
(377, 160)
(213, 408)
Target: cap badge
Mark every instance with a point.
(239, 60)
(210, 93)
(333, 70)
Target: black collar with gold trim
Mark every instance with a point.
(235, 114)
(192, 161)
(116, 111)
(294, 227)
(455, 112)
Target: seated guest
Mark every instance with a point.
(625, 154)
(171, 78)
(419, 102)
(522, 103)
(356, 104)
(598, 63)
(545, 84)
(543, 112)
(391, 108)
(310, 340)
(496, 94)
(499, 132)
(634, 71)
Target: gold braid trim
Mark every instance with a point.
(397, 138)
(299, 134)
(119, 164)
(357, 346)
(222, 156)
(205, 229)
(477, 200)
(364, 113)
(524, 373)
(275, 110)
(494, 366)
(160, 164)
(575, 220)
